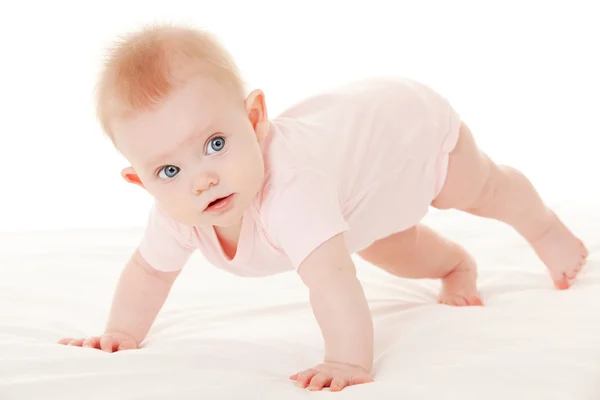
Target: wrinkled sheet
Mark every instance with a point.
(223, 337)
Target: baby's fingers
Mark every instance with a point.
(108, 344)
(319, 381)
(304, 377)
(127, 344)
(93, 342)
(337, 384)
(75, 342)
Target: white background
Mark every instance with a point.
(523, 74)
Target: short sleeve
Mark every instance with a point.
(305, 212)
(165, 244)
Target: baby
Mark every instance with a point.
(352, 170)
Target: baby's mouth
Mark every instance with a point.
(215, 201)
(218, 203)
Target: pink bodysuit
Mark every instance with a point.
(364, 159)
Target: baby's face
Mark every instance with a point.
(199, 145)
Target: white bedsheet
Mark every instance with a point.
(223, 337)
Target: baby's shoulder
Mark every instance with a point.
(386, 86)
(165, 243)
(361, 96)
(388, 90)
(293, 187)
(160, 222)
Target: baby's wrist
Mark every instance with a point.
(365, 366)
(356, 356)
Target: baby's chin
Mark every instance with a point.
(231, 219)
(198, 219)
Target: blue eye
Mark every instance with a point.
(215, 144)
(168, 172)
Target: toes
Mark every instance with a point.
(562, 283)
(454, 300)
(571, 274)
(76, 342)
(475, 301)
(460, 301)
(584, 250)
(464, 301)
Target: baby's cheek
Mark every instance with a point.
(172, 202)
(247, 172)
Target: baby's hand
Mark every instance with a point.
(108, 342)
(335, 375)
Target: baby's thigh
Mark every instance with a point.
(419, 252)
(396, 248)
(469, 169)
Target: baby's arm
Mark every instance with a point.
(140, 294)
(341, 309)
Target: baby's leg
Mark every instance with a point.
(420, 252)
(477, 185)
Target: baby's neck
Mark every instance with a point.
(229, 233)
(229, 238)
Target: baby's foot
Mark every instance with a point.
(460, 285)
(562, 252)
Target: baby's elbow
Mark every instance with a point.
(327, 274)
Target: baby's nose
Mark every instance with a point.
(203, 181)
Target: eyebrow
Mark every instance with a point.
(190, 138)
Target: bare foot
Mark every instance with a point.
(460, 285)
(562, 252)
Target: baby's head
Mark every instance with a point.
(172, 102)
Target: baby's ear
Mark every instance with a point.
(257, 112)
(131, 176)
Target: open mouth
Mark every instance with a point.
(212, 203)
(218, 203)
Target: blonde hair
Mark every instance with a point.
(146, 66)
